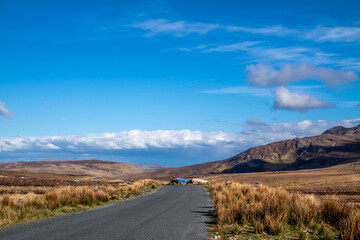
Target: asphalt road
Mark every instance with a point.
(172, 212)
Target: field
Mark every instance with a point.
(28, 196)
(244, 211)
(326, 203)
(342, 181)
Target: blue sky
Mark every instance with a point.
(173, 82)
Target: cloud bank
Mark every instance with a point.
(134, 139)
(163, 146)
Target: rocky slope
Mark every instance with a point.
(337, 145)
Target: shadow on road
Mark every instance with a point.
(208, 213)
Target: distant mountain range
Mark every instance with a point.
(145, 167)
(88, 167)
(335, 146)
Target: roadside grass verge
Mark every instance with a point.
(68, 199)
(246, 211)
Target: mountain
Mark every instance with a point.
(147, 167)
(89, 167)
(337, 145)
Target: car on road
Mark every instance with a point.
(179, 180)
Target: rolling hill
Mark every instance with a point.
(335, 146)
(146, 167)
(90, 167)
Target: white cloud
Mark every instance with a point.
(266, 75)
(243, 46)
(200, 47)
(255, 122)
(4, 111)
(47, 146)
(319, 34)
(334, 34)
(270, 30)
(302, 102)
(294, 54)
(165, 146)
(178, 28)
(243, 90)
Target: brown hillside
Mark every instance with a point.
(92, 167)
(335, 146)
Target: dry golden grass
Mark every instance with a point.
(342, 181)
(14, 210)
(275, 211)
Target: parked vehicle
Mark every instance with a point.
(198, 180)
(179, 180)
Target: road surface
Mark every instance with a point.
(172, 212)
